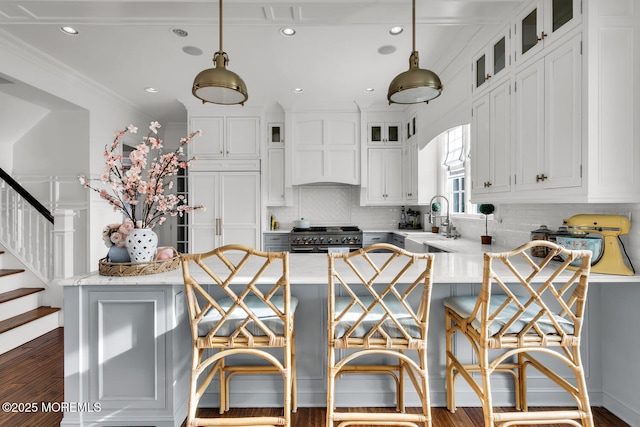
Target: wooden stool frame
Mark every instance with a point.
(530, 339)
(405, 269)
(250, 336)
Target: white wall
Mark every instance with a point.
(17, 117)
(57, 145)
(106, 113)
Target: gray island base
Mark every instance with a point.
(127, 347)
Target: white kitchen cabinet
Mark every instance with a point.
(275, 176)
(542, 22)
(384, 176)
(384, 133)
(276, 242)
(548, 136)
(226, 137)
(491, 138)
(275, 133)
(326, 148)
(232, 201)
(492, 62)
(410, 170)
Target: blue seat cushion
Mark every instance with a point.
(464, 305)
(238, 315)
(389, 327)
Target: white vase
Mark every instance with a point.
(142, 244)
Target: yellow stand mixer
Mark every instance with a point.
(610, 227)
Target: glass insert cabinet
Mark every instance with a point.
(492, 61)
(543, 22)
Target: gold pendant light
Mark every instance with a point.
(415, 85)
(219, 85)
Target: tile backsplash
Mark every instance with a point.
(510, 225)
(335, 205)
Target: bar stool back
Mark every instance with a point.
(525, 316)
(379, 306)
(252, 313)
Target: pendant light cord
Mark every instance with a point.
(413, 26)
(220, 17)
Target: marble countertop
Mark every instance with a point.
(311, 269)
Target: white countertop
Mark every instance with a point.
(464, 266)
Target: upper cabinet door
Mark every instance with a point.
(211, 143)
(542, 23)
(243, 140)
(492, 62)
(226, 138)
(384, 133)
(276, 133)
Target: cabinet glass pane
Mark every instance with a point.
(480, 70)
(562, 12)
(529, 31)
(276, 134)
(499, 55)
(394, 134)
(376, 133)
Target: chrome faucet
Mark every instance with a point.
(446, 224)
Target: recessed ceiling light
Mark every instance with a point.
(179, 32)
(369, 89)
(394, 31)
(287, 31)
(192, 50)
(69, 30)
(297, 90)
(151, 89)
(386, 49)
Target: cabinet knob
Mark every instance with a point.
(541, 177)
(542, 36)
(487, 77)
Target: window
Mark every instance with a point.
(454, 146)
(457, 191)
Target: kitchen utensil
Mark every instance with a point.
(592, 243)
(302, 223)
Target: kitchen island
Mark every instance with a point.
(127, 347)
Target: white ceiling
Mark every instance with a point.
(127, 45)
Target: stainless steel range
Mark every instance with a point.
(320, 239)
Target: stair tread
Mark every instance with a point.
(24, 318)
(9, 271)
(18, 293)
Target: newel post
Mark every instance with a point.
(63, 243)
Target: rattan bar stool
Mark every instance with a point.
(379, 306)
(252, 313)
(534, 321)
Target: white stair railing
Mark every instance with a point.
(25, 232)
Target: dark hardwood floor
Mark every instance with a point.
(33, 373)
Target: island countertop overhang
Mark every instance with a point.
(311, 269)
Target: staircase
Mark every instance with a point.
(22, 318)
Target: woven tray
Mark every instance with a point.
(106, 268)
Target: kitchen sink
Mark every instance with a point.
(431, 248)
